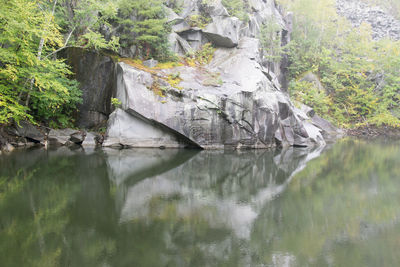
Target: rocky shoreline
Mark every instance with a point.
(27, 135)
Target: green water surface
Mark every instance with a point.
(337, 206)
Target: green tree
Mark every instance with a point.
(149, 26)
(82, 20)
(348, 62)
(33, 86)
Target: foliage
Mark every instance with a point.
(305, 92)
(199, 21)
(175, 5)
(32, 85)
(82, 20)
(116, 102)
(167, 65)
(174, 80)
(150, 26)
(360, 75)
(202, 56)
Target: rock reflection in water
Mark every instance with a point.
(225, 190)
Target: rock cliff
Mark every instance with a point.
(95, 73)
(235, 101)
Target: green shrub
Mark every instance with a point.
(199, 21)
(202, 56)
(116, 102)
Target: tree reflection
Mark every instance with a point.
(38, 208)
(345, 199)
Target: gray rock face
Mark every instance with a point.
(214, 8)
(151, 63)
(129, 51)
(328, 131)
(95, 74)
(78, 137)
(172, 17)
(60, 137)
(66, 137)
(90, 140)
(5, 146)
(194, 37)
(129, 130)
(245, 111)
(223, 31)
(226, 30)
(179, 45)
(181, 27)
(28, 130)
(383, 24)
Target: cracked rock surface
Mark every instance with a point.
(245, 110)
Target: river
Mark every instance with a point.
(337, 206)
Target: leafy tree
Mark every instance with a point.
(82, 20)
(349, 64)
(31, 84)
(34, 84)
(149, 26)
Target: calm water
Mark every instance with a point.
(297, 207)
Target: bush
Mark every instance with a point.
(202, 56)
(116, 102)
(199, 21)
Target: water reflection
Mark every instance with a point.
(296, 207)
(221, 189)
